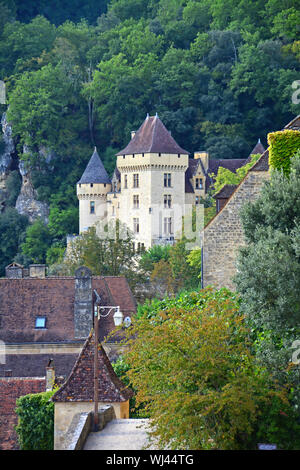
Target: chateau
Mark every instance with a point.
(155, 184)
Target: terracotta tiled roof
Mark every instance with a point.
(95, 171)
(152, 137)
(80, 383)
(22, 300)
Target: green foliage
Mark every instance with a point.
(35, 427)
(154, 255)
(87, 74)
(36, 242)
(191, 365)
(283, 146)
(187, 299)
(13, 186)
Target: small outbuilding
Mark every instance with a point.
(76, 395)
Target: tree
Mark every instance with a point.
(268, 277)
(37, 241)
(12, 228)
(191, 365)
(113, 255)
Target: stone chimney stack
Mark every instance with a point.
(83, 305)
(37, 271)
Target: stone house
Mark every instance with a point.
(43, 318)
(155, 184)
(223, 235)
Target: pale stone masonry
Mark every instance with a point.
(223, 235)
(155, 184)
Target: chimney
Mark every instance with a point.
(37, 271)
(14, 271)
(204, 157)
(83, 305)
(50, 376)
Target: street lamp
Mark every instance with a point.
(118, 319)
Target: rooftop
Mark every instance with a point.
(80, 384)
(95, 171)
(152, 137)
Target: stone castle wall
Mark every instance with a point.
(224, 234)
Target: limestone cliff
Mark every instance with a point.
(6, 159)
(27, 203)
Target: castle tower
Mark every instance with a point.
(92, 189)
(152, 184)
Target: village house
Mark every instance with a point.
(47, 320)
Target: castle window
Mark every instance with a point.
(125, 181)
(136, 180)
(40, 322)
(167, 180)
(92, 207)
(136, 225)
(167, 201)
(136, 202)
(92, 185)
(199, 183)
(168, 225)
(197, 200)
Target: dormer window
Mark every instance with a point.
(40, 323)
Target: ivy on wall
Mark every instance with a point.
(283, 146)
(36, 421)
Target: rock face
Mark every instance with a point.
(27, 203)
(6, 158)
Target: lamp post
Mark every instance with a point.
(118, 319)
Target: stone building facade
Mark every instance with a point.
(223, 235)
(154, 185)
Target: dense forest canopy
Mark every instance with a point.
(218, 72)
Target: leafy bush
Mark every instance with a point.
(121, 368)
(35, 428)
(192, 366)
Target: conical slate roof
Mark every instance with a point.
(95, 171)
(259, 148)
(152, 137)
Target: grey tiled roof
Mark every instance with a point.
(152, 137)
(95, 171)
